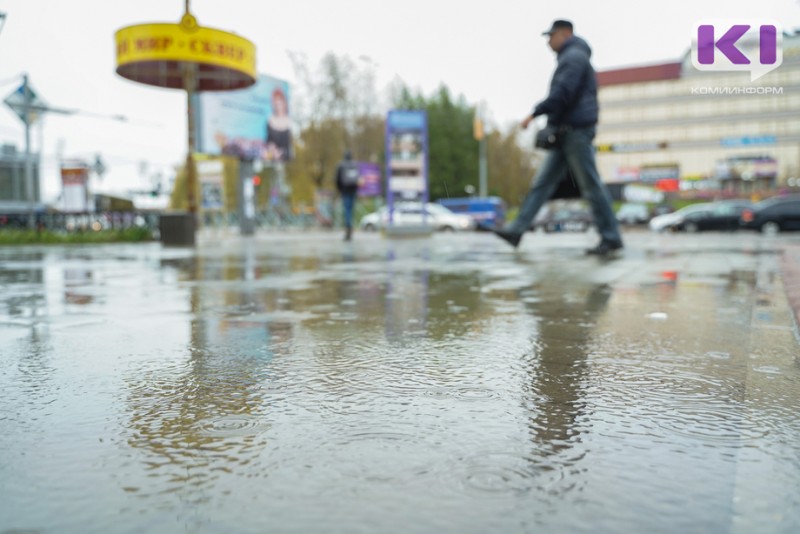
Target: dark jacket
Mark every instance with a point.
(573, 90)
(343, 188)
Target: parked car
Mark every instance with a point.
(568, 217)
(722, 215)
(662, 209)
(660, 223)
(777, 214)
(412, 214)
(486, 212)
(633, 213)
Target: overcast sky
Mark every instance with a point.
(490, 51)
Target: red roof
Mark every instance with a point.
(649, 73)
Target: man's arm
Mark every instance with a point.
(565, 85)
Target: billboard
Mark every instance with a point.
(407, 155)
(251, 123)
(369, 183)
(74, 187)
(211, 177)
(656, 172)
(626, 174)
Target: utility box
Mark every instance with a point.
(177, 229)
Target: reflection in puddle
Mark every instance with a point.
(445, 381)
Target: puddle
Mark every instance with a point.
(443, 385)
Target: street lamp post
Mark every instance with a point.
(190, 84)
(26, 114)
(480, 136)
(28, 106)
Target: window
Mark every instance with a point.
(6, 184)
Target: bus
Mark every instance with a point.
(487, 212)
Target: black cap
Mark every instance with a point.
(557, 25)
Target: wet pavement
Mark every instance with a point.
(296, 383)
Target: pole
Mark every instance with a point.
(480, 135)
(190, 83)
(484, 171)
(28, 161)
(191, 170)
(246, 198)
(185, 230)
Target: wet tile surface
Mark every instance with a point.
(295, 383)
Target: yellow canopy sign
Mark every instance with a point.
(156, 54)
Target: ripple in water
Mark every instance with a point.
(505, 473)
(461, 393)
(719, 424)
(233, 426)
(682, 402)
(388, 457)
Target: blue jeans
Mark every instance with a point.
(348, 201)
(576, 154)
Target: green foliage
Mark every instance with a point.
(453, 156)
(511, 166)
(47, 237)
(452, 149)
(336, 108)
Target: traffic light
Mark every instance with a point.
(256, 180)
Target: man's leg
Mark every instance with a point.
(578, 150)
(544, 185)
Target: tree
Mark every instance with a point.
(511, 166)
(336, 110)
(452, 150)
(336, 107)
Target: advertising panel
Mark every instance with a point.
(251, 123)
(211, 174)
(626, 174)
(642, 193)
(74, 187)
(746, 168)
(407, 155)
(657, 172)
(369, 184)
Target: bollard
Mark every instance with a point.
(177, 229)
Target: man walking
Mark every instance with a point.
(571, 108)
(347, 178)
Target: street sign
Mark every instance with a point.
(16, 101)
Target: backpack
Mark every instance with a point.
(350, 174)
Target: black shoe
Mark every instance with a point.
(605, 248)
(512, 238)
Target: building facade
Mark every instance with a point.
(14, 197)
(675, 128)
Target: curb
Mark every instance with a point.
(790, 270)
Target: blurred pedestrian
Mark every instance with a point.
(348, 176)
(572, 109)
